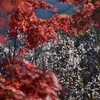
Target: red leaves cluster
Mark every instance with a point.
(74, 2)
(96, 14)
(11, 5)
(3, 40)
(37, 30)
(25, 21)
(82, 20)
(25, 81)
(2, 22)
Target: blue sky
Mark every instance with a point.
(62, 8)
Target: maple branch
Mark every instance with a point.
(9, 50)
(14, 48)
(59, 11)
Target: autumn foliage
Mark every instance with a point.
(23, 20)
(24, 81)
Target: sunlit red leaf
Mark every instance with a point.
(2, 22)
(7, 6)
(3, 39)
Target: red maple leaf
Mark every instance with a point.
(3, 39)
